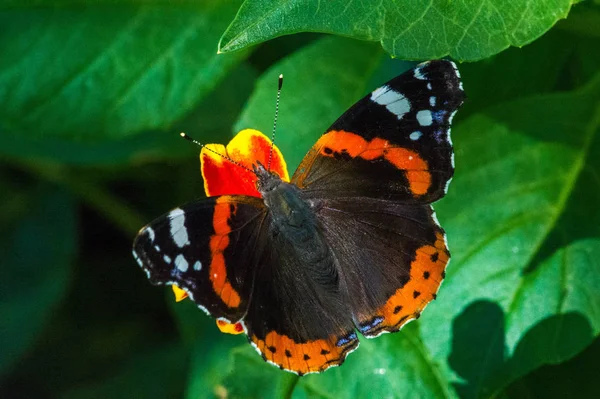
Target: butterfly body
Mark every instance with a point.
(288, 211)
(350, 244)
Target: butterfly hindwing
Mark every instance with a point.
(299, 318)
(209, 249)
(394, 143)
(392, 257)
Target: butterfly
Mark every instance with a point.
(351, 244)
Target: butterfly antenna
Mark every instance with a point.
(188, 138)
(280, 84)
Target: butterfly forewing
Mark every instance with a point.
(393, 144)
(209, 248)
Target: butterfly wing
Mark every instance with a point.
(209, 248)
(224, 252)
(391, 256)
(394, 143)
(371, 178)
(299, 319)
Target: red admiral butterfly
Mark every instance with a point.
(351, 243)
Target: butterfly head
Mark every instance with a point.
(267, 181)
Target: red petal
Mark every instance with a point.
(222, 177)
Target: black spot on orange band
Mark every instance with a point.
(407, 302)
(305, 357)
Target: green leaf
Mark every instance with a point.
(520, 163)
(517, 73)
(207, 122)
(251, 377)
(91, 71)
(157, 374)
(35, 266)
(389, 366)
(211, 362)
(578, 376)
(569, 312)
(315, 93)
(466, 31)
(210, 348)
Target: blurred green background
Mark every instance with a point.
(94, 93)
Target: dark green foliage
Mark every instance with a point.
(94, 92)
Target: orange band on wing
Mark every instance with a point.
(342, 142)
(308, 357)
(426, 275)
(218, 243)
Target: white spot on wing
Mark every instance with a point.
(455, 68)
(447, 185)
(395, 102)
(460, 85)
(181, 263)
(178, 230)
(157, 248)
(150, 233)
(432, 101)
(197, 266)
(429, 86)
(137, 258)
(418, 74)
(451, 117)
(167, 259)
(435, 219)
(400, 107)
(424, 117)
(415, 135)
(379, 91)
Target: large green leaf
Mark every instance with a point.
(92, 71)
(520, 163)
(210, 119)
(469, 30)
(35, 264)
